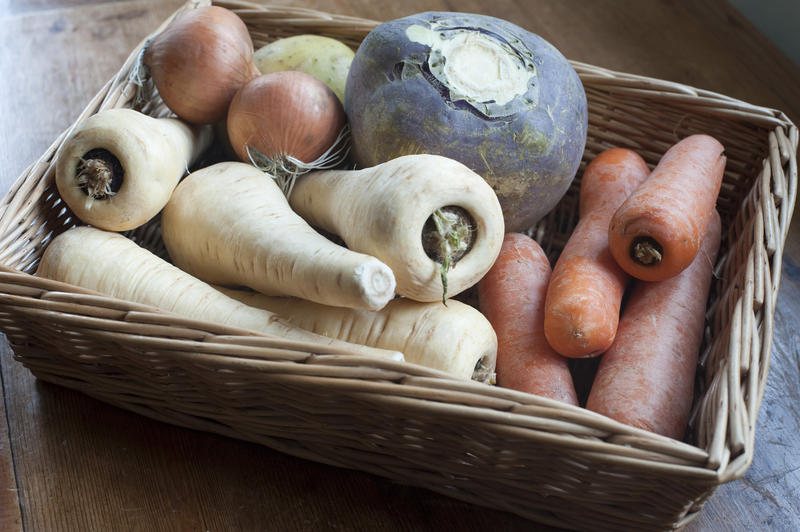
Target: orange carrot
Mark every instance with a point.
(646, 378)
(511, 296)
(657, 232)
(586, 289)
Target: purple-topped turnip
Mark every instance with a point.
(478, 89)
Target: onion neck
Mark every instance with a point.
(285, 169)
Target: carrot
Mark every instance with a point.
(436, 223)
(119, 167)
(646, 378)
(511, 295)
(657, 232)
(455, 338)
(230, 224)
(586, 289)
(113, 265)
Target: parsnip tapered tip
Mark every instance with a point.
(378, 283)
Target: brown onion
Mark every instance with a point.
(199, 62)
(284, 121)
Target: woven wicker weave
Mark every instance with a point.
(511, 451)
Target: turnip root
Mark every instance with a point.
(230, 224)
(117, 170)
(437, 224)
(478, 89)
(113, 265)
(456, 338)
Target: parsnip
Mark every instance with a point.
(118, 168)
(391, 211)
(456, 338)
(230, 224)
(113, 265)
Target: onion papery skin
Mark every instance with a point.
(199, 62)
(285, 114)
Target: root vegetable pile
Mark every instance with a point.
(113, 265)
(434, 221)
(342, 200)
(646, 377)
(229, 224)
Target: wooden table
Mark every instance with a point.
(68, 462)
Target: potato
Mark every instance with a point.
(325, 58)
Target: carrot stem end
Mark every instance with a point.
(646, 251)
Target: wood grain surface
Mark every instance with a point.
(68, 462)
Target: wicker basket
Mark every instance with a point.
(511, 451)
